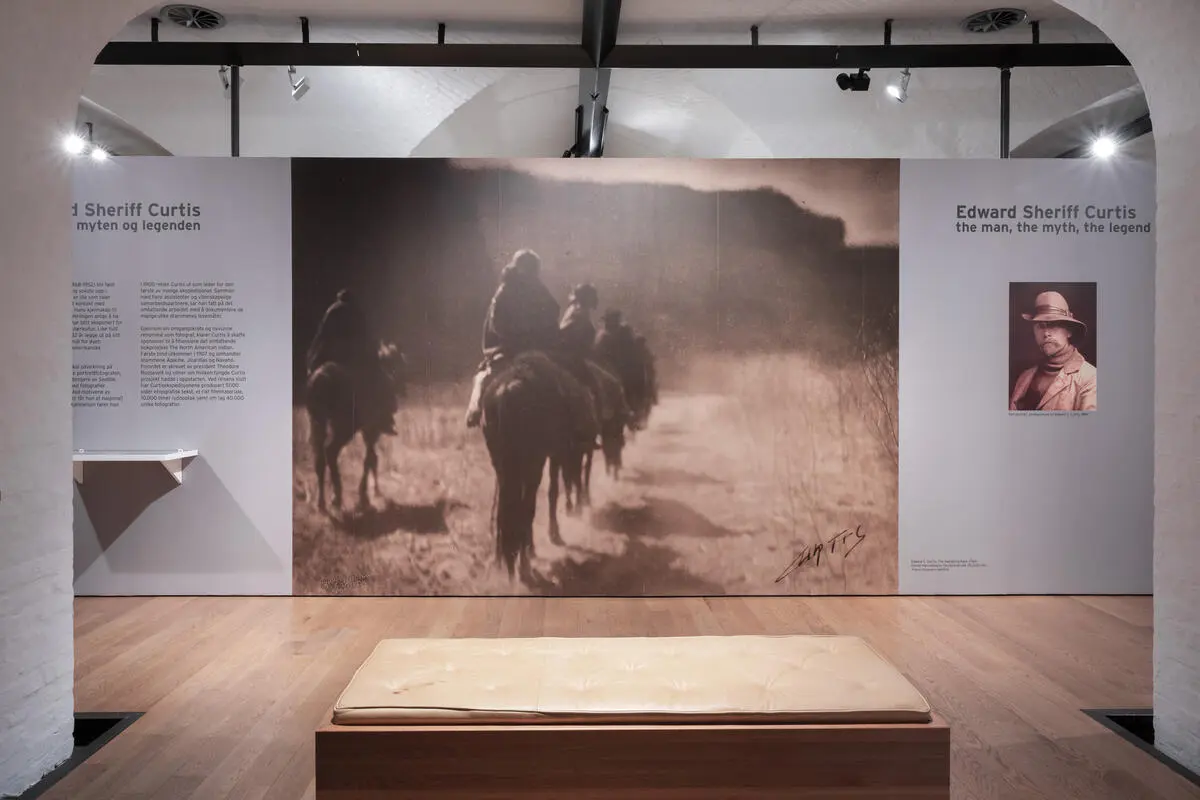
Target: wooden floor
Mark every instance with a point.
(233, 688)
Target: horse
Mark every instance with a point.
(526, 420)
(634, 371)
(646, 387)
(339, 407)
(575, 463)
(612, 425)
(640, 382)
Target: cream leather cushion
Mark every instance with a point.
(722, 679)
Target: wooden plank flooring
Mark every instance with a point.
(233, 688)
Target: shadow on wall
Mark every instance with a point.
(127, 514)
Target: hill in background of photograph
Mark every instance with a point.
(697, 272)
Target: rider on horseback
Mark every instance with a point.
(617, 351)
(649, 370)
(523, 317)
(577, 331)
(344, 337)
(577, 334)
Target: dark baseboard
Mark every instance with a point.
(1136, 726)
(93, 730)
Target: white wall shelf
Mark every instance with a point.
(172, 460)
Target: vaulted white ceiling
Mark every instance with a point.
(353, 111)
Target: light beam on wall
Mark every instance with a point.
(898, 90)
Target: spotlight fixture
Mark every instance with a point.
(80, 142)
(1104, 147)
(74, 144)
(898, 90)
(299, 87)
(858, 82)
(225, 84)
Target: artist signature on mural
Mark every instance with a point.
(845, 542)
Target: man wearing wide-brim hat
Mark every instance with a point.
(1063, 380)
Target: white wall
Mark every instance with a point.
(1157, 37)
(45, 56)
(1034, 503)
(36, 645)
(227, 529)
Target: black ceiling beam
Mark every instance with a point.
(1134, 129)
(566, 56)
(600, 20)
(343, 54)
(891, 56)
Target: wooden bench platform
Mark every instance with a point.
(672, 717)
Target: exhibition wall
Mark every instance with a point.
(851, 385)
(1056, 497)
(181, 320)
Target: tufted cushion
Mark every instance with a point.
(721, 679)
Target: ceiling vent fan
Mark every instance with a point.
(192, 17)
(994, 19)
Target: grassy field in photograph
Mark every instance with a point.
(760, 462)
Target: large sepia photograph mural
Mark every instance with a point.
(595, 377)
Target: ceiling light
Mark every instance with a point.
(74, 144)
(299, 87)
(1104, 147)
(225, 86)
(899, 90)
(99, 153)
(858, 82)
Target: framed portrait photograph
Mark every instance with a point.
(1052, 347)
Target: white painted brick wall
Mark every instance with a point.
(36, 642)
(36, 647)
(1157, 37)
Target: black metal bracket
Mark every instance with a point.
(603, 130)
(1005, 109)
(754, 35)
(154, 29)
(1036, 28)
(235, 111)
(887, 33)
(598, 38)
(566, 56)
(441, 33)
